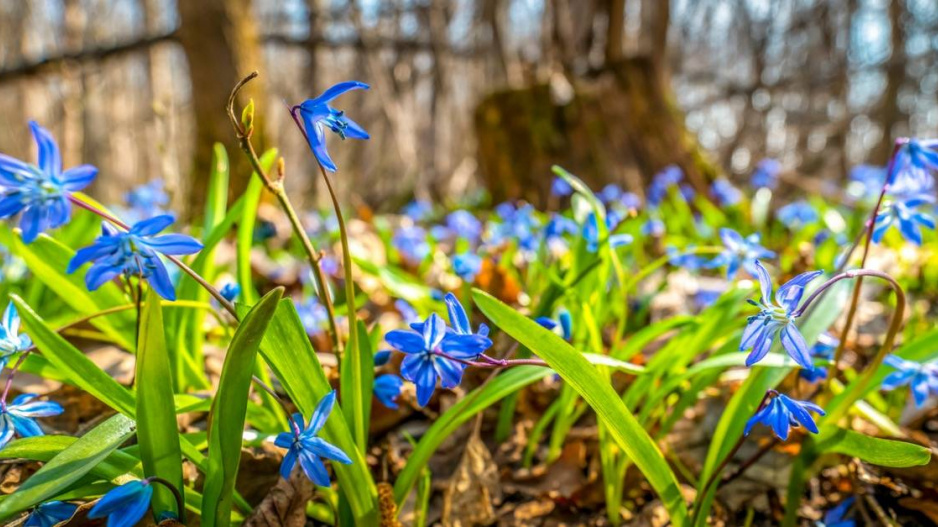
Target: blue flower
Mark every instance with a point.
(460, 319)
(407, 311)
(11, 341)
(687, 259)
(610, 193)
(653, 227)
(40, 192)
(664, 180)
(740, 251)
(630, 201)
(518, 224)
(915, 162)
(777, 318)
(706, 297)
(560, 187)
(18, 417)
(467, 265)
(50, 514)
(591, 234)
(418, 210)
(562, 325)
(822, 349)
(134, 253)
(411, 242)
(921, 378)
(435, 352)
(866, 182)
(382, 357)
(460, 224)
(387, 389)
(230, 291)
(725, 193)
(307, 448)
(797, 214)
(318, 115)
(125, 505)
(766, 174)
(313, 316)
(837, 517)
(782, 412)
(908, 213)
(146, 201)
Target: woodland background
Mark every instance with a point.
(470, 94)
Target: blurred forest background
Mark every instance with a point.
(471, 93)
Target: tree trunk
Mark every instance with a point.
(220, 43)
(889, 113)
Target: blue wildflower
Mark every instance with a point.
(303, 445)
(740, 251)
(134, 253)
(462, 224)
(418, 210)
(766, 174)
(782, 412)
(40, 191)
(725, 193)
(630, 201)
(706, 297)
(407, 311)
(230, 291)
(560, 187)
(610, 193)
(125, 505)
(460, 319)
(411, 241)
(915, 162)
(146, 201)
(822, 349)
(837, 517)
(777, 318)
(562, 325)
(50, 514)
(591, 234)
(661, 182)
(908, 212)
(922, 379)
(382, 357)
(797, 214)
(435, 352)
(519, 224)
(653, 227)
(866, 181)
(313, 315)
(387, 389)
(318, 115)
(11, 341)
(687, 259)
(467, 265)
(18, 417)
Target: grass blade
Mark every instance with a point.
(70, 465)
(157, 431)
(589, 383)
(226, 422)
(357, 379)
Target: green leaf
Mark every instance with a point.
(252, 198)
(356, 382)
(882, 452)
(598, 393)
(444, 426)
(157, 431)
(288, 352)
(81, 371)
(47, 260)
(226, 421)
(70, 465)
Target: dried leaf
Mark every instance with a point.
(285, 505)
(474, 490)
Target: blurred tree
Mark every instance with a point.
(616, 121)
(221, 45)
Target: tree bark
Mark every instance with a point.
(889, 114)
(220, 43)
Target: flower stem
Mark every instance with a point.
(275, 186)
(855, 300)
(180, 502)
(260, 383)
(9, 383)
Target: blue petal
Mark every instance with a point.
(795, 345)
(289, 461)
(765, 282)
(425, 381)
(321, 414)
(87, 254)
(160, 282)
(406, 341)
(50, 160)
(120, 497)
(314, 469)
(175, 244)
(457, 314)
(77, 178)
(25, 426)
(433, 332)
(322, 448)
(450, 372)
(354, 130)
(99, 274)
(317, 141)
(152, 226)
(11, 167)
(11, 205)
(31, 223)
(337, 90)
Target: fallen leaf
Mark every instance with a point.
(475, 488)
(285, 504)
